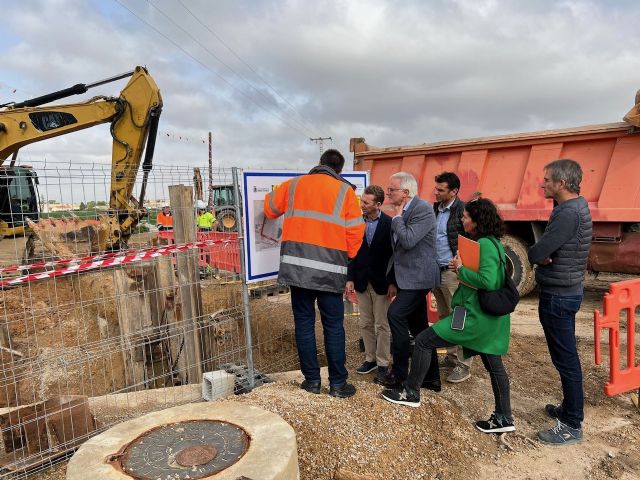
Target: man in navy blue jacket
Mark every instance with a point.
(367, 276)
(562, 254)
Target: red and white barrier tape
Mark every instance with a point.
(85, 264)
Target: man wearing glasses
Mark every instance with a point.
(367, 275)
(412, 272)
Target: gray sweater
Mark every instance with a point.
(566, 240)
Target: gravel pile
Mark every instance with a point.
(368, 436)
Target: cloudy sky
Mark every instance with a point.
(265, 76)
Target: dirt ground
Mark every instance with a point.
(368, 436)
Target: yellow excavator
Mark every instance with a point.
(134, 117)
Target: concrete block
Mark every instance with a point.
(217, 385)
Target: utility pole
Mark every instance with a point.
(320, 141)
(210, 201)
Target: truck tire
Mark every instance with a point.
(516, 251)
(227, 221)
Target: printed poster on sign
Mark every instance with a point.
(262, 235)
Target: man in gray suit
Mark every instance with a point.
(413, 271)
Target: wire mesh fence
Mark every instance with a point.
(90, 337)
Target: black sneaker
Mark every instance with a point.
(435, 386)
(345, 390)
(493, 425)
(311, 387)
(401, 397)
(366, 367)
(388, 380)
(554, 411)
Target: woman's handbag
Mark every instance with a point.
(503, 300)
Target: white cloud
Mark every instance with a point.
(393, 72)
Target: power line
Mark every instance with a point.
(320, 141)
(210, 69)
(217, 37)
(231, 69)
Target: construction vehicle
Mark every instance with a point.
(224, 203)
(133, 116)
(508, 169)
(221, 199)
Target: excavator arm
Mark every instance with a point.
(633, 116)
(133, 116)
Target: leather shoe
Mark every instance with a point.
(434, 385)
(311, 387)
(389, 380)
(345, 390)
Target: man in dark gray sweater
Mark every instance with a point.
(561, 255)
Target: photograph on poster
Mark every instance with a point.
(262, 235)
(267, 230)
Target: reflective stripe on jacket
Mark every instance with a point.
(322, 229)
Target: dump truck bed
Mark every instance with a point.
(508, 169)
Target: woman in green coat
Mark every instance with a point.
(482, 334)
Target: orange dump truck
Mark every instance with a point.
(509, 169)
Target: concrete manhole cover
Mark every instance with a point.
(185, 450)
(205, 440)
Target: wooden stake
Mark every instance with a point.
(184, 229)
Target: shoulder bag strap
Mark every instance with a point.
(506, 273)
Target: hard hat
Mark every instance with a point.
(200, 205)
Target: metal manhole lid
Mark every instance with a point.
(185, 450)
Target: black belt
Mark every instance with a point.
(444, 269)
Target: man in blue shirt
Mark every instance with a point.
(448, 209)
(367, 275)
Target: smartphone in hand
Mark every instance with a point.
(458, 318)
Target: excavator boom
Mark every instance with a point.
(133, 116)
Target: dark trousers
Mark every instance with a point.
(331, 308)
(427, 343)
(558, 318)
(408, 314)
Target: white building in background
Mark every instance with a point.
(67, 207)
(59, 207)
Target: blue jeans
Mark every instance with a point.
(331, 308)
(558, 318)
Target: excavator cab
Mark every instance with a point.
(18, 199)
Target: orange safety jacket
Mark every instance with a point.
(322, 229)
(164, 220)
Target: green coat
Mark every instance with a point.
(482, 333)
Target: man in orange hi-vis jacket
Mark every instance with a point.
(322, 229)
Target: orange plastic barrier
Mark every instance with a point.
(225, 256)
(622, 296)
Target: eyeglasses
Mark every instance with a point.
(391, 190)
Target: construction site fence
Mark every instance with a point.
(111, 339)
(620, 311)
(223, 255)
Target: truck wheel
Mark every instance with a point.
(227, 221)
(523, 277)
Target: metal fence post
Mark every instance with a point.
(245, 288)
